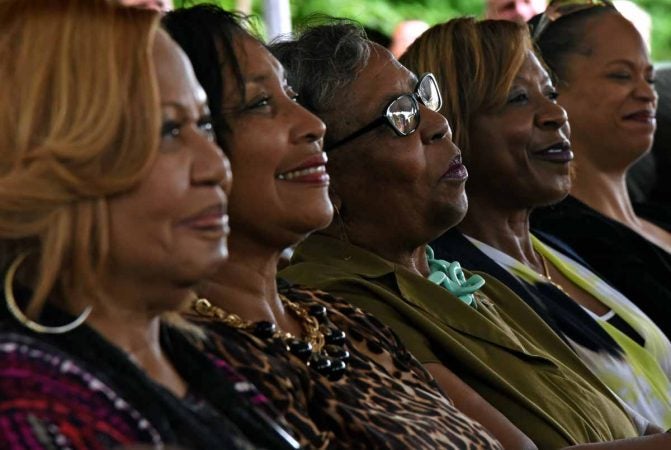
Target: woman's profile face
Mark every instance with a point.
(609, 94)
(519, 155)
(275, 145)
(172, 228)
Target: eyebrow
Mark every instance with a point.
(265, 76)
(627, 62)
(183, 110)
(412, 83)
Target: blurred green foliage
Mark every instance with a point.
(385, 14)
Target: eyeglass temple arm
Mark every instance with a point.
(371, 126)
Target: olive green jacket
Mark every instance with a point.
(501, 348)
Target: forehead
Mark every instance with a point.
(257, 67)
(176, 80)
(611, 37)
(532, 69)
(255, 60)
(380, 81)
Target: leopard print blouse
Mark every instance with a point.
(386, 400)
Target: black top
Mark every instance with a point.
(635, 266)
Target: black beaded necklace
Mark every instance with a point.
(322, 347)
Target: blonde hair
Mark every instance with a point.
(475, 63)
(79, 122)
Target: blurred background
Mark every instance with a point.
(384, 15)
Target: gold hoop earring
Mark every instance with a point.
(22, 318)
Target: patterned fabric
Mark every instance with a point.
(635, 266)
(639, 375)
(76, 391)
(502, 349)
(385, 400)
(49, 401)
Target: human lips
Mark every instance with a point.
(558, 152)
(456, 170)
(310, 170)
(211, 220)
(644, 117)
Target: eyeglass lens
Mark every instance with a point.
(403, 114)
(429, 94)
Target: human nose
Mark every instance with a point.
(210, 165)
(646, 91)
(306, 127)
(552, 115)
(433, 126)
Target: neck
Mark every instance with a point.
(606, 192)
(394, 248)
(246, 283)
(128, 316)
(505, 229)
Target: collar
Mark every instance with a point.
(342, 255)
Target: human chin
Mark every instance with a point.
(199, 256)
(452, 211)
(196, 262)
(551, 191)
(312, 215)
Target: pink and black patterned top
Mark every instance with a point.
(76, 391)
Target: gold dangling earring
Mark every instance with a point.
(22, 318)
(341, 225)
(342, 229)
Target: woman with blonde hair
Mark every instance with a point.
(112, 205)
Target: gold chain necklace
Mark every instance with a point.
(546, 273)
(309, 324)
(321, 347)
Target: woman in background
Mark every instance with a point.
(605, 81)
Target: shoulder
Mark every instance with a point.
(578, 225)
(48, 399)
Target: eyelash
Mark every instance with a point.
(172, 129)
(523, 97)
(266, 100)
(517, 97)
(259, 102)
(622, 76)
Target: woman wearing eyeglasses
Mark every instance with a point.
(514, 138)
(605, 82)
(341, 379)
(397, 187)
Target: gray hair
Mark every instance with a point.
(322, 61)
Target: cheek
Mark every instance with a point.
(254, 184)
(147, 215)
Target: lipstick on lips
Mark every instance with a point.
(211, 219)
(643, 116)
(559, 152)
(456, 170)
(310, 170)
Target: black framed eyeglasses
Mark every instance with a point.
(402, 113)
(561, 8)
